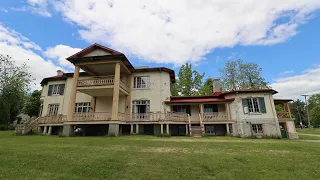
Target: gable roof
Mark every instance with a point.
(91, 49)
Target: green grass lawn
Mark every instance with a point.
(309, 131)
(307, 137)
(149, 157)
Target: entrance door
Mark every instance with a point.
(283, 130)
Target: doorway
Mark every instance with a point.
(283, 129)
(140, 109)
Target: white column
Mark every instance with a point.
(227, 126)
(167, 128)
(161, 128)
(50, 130)
(44, 130)
(137, 128)
(131, 129)
(187, 127)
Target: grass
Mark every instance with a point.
(149, 157)
(309, 131)
(306, 137)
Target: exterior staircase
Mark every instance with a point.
(27, 126)
(196, 131)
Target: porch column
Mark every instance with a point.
(228, 111)
(44, 130)
(128, 98)
(288, 106)
(73, 94)
(116, 87)
(137, 128)
(227, 126)
(161, 128)
(50, 130)
(131, 128)
(167, 129)
(187, 127)
(201, 118)
(93, 104)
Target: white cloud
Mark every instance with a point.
(61, 52)
(22, 50)
(308, 82)
(38, 7)
(166, 31)
(3, 10)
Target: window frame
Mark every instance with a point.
(187, 108)
(56, 90)
(53, 109)
(257, 128)
(252, 103)
(136, 84)
(82, 105)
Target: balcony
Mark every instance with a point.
(215, 116)
(93, 86)
(106, 117)
(284, 115)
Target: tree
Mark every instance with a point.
(315, 115)
(33, 103)
(207, 87)
(190, 81)
(14, 83)
(298, 111)
(314, 101)
(239, 75)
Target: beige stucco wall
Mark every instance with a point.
(269, 120)
(104, 104)
(158, 91)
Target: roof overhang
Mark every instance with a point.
(251, 91)
(282, 101)
(159, 69)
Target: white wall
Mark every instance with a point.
(158, 91)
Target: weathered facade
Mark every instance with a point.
(112, 97)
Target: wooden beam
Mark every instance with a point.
(126, 68)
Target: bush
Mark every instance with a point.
(4, 127)
(60, 134)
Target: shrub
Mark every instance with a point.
(4, 127)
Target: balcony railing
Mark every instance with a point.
(284, 115)
(92, 116)
(56, 119)
(100, 81)
(106, 116)
(215, 116)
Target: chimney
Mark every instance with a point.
(216, 85)
(59, 73)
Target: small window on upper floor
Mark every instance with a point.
(56, 89)
(141, 82)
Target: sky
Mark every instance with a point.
(282, 37)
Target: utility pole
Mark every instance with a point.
(306, 101)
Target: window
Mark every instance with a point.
(141, 82)
(257, 128)
(140, 109)
(53, 109)
(182, 108)
(210, 108)
(56, 89)
(82, 107)
(254, 105)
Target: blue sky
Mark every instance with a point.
(281, 37)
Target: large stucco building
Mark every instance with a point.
(111, 97)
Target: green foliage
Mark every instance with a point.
(207, 87)
(33, 103)
(4, 127)
(279, 108)
(299, 112)
(315, 114)
(314, 101)
(189, 83)
(239, 75)
(14, 83)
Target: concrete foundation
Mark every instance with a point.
(113, 129)
(293, 135)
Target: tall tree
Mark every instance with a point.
(314, 101)
(190, 81)
(14, 83)
(33, 103)
(207, 87)
(298, 111)
(240, 75)
(315, 115)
